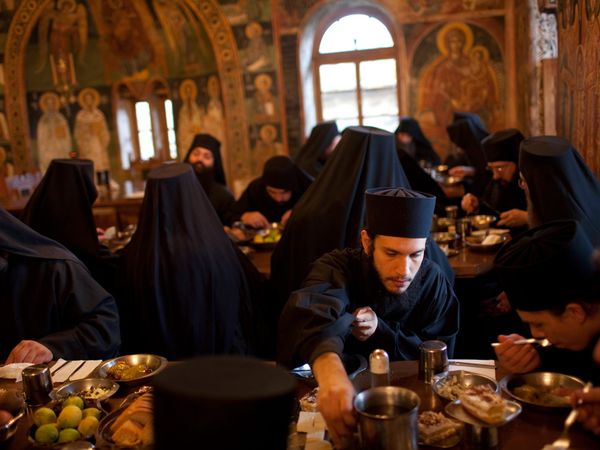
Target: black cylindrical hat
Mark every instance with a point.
(503, 145)
(224, 402)
(399, 212)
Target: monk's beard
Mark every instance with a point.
(205, 175)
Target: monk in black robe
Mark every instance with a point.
(548, 275)
(51, 307)
(411, 140)
(466, 132)
(319, 146)
(271, 197)
(205, 157)
(332, 212)
(183, 286)
(61, 208)
(385, 295)
(559, 184)
(503, 197)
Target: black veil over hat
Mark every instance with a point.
(214, 145)
(474, 119)
(332, 211)
(503, 145)
(424, 149)
(547, 267)
(281, 172)
(224, 402)
(16, 238)
(309, 157)
(61, 207)
(560, 185)
(184, 281)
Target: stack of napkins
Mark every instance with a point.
(313, 424)
(13, 371)
(73, 370)
(485, 367)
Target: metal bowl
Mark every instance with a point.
(543, 380)
(455, 410)
(10, 428)
(87, 388)
(444, 237)
(155, 363)
(466, 379)
(474, 243)
(482, 222)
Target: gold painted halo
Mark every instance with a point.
(461, 26)
(484, 51)
(46, 97)
(93, 92)
(268, 133)
(183, 87)
(263, 81)
(253, 29)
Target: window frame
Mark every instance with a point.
(354, 56)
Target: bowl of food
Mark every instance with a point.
(131, 370)
(482, 222)
(450, 385)
(442, 237)
(87, 388)
(546, 390)
(12, 408)
(484, 244)
(267, 238)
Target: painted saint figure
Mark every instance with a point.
(53, 134)
(190, 118)
(91, 130)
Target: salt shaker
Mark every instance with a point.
(37, 384)
(379, 366)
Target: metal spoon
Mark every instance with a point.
(540, 342)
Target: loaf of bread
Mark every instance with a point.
(134, 426)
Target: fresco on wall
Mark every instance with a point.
(91, 130)
(266, 142)
(456, 67)
(53, 133)
(244, 11)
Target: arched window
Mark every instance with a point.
(355, 72)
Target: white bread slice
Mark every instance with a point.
(434, 427)
(484, 404)
(129, 434)
(140, 411)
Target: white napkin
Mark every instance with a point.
(87, 368)
(66, 371)
(311, 423)
(486, 372)
(13, 370)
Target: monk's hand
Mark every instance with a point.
(516, 358)
(462, 171)
(513, 218)
(335, 399)
(365, 323)
(469, 203)
(255, 219)
(29, 352)
(589, 410)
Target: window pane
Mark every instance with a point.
(345, 123)
(170, 129)
(376, 102)
(124, 127)
(388, 123)
(339, 105)
(169, 114)
(146, 144)
(355, 32)
(377, 74)
(337, 77)
(172, 144)
(142, 114)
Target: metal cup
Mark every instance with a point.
(480, 437)
(463, 228)
(433, 360)
(37, 384)
(451, 211)
(387, 418)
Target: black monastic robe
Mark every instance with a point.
(318, 317)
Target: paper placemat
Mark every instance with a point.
(13, 370)
(489, 371)
(65, 371)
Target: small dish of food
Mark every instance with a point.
(11, 411)
(87, 388)
(546, 390)
(132, 370)
(450, 385)
(482, 222)
(489, 243)
(443, 237)
(485, 410)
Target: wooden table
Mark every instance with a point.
(531, 430)
(467, 264)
